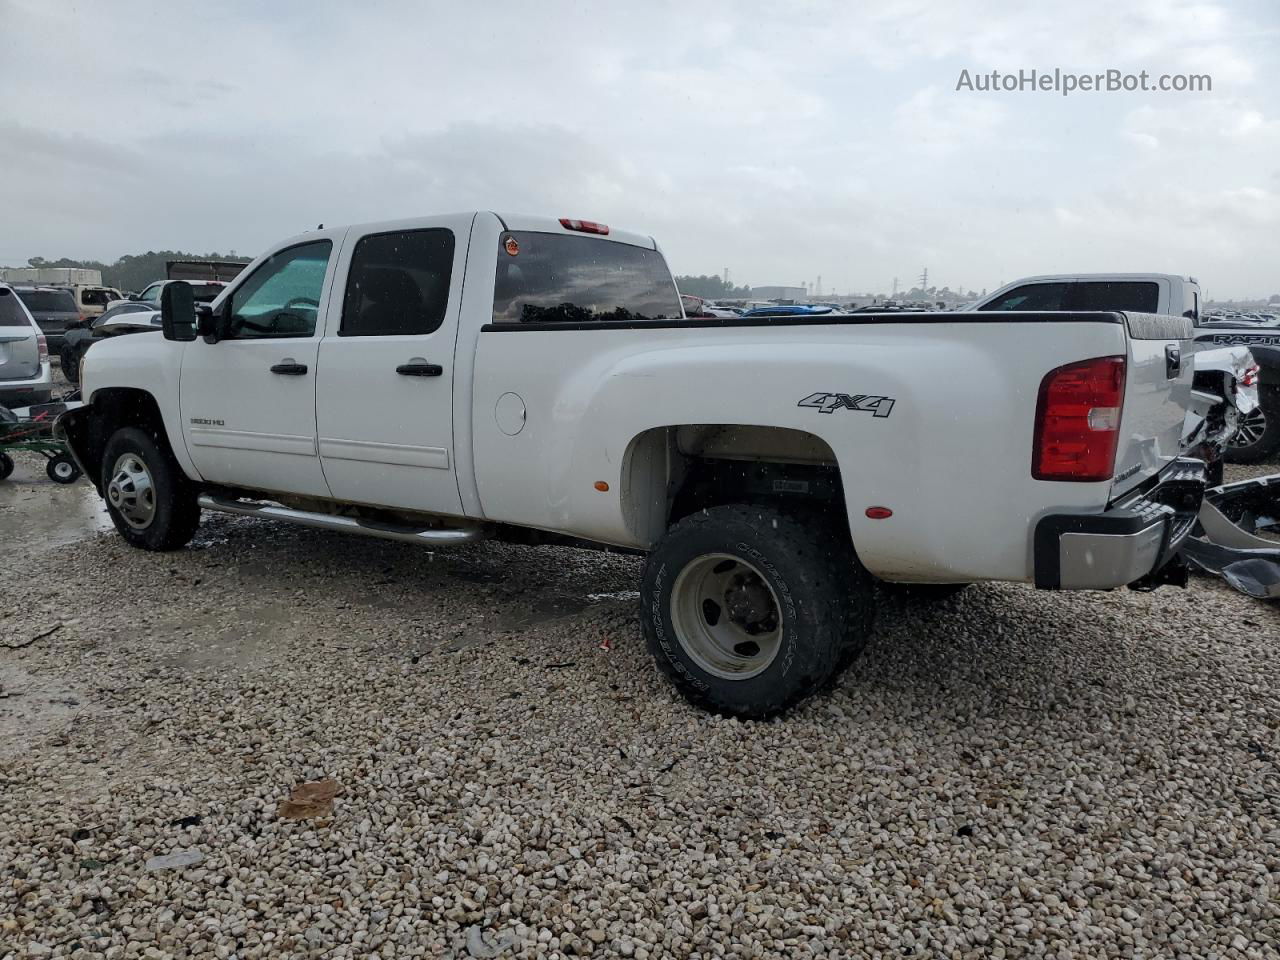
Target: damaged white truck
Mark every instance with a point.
(536, 379)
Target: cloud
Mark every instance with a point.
(783, 139)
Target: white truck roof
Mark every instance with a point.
(1102, 276)
(511, 221)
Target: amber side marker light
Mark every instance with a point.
(879, 513)
(602, 486)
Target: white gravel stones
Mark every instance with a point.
(175, 861)
(1008, 774)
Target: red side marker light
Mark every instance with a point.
(585, 226)
(879, 513)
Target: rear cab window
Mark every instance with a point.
(1134, 296)
(554, 278)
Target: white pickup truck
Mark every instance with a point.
(444, 379)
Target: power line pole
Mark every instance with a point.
(924, 279)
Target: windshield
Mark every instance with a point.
(206, 292)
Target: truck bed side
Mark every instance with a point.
(931, 418)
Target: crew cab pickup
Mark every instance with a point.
(445, 379)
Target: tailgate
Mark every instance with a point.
(19, 353)
(1157, 397)
(54, 322)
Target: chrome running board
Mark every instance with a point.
(425, 536)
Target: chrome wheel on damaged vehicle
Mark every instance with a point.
(152, 504)
(1251, 429)
(132, 491)
(1257, 436)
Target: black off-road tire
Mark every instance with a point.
(6, 465)
(176, 510)
(69, 359)
(62, 469)
(1268, 440)
(823, 595)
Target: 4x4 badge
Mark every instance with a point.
(830, 402)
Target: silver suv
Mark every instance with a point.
(25, 374)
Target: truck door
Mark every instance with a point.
(248, 401)
(384, 405)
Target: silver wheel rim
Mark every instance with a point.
(1251, 429)
(726, 616)
(131, 491)
(63, 469)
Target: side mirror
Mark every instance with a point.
(178, 311)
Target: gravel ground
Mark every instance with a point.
(1010, 773)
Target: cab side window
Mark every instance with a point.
(282, 297)
(151, 294)
(1031, 296)
(398, 284)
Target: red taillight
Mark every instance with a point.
(42, 346)
(584, 226)
(1078, 421)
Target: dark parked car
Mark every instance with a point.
(126, 316)
(54, 310)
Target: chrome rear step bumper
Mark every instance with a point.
(426, 536)
(1130, 542)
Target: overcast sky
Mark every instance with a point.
(783, 141)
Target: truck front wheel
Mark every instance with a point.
(152, 504)
(749, 610)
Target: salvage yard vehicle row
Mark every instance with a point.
(446, 378)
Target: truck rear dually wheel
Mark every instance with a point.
(750, 610)
(152, 504)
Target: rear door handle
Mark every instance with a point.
(290, 367)
(418, 367)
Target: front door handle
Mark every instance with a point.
(289, 367)
(417, 367)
